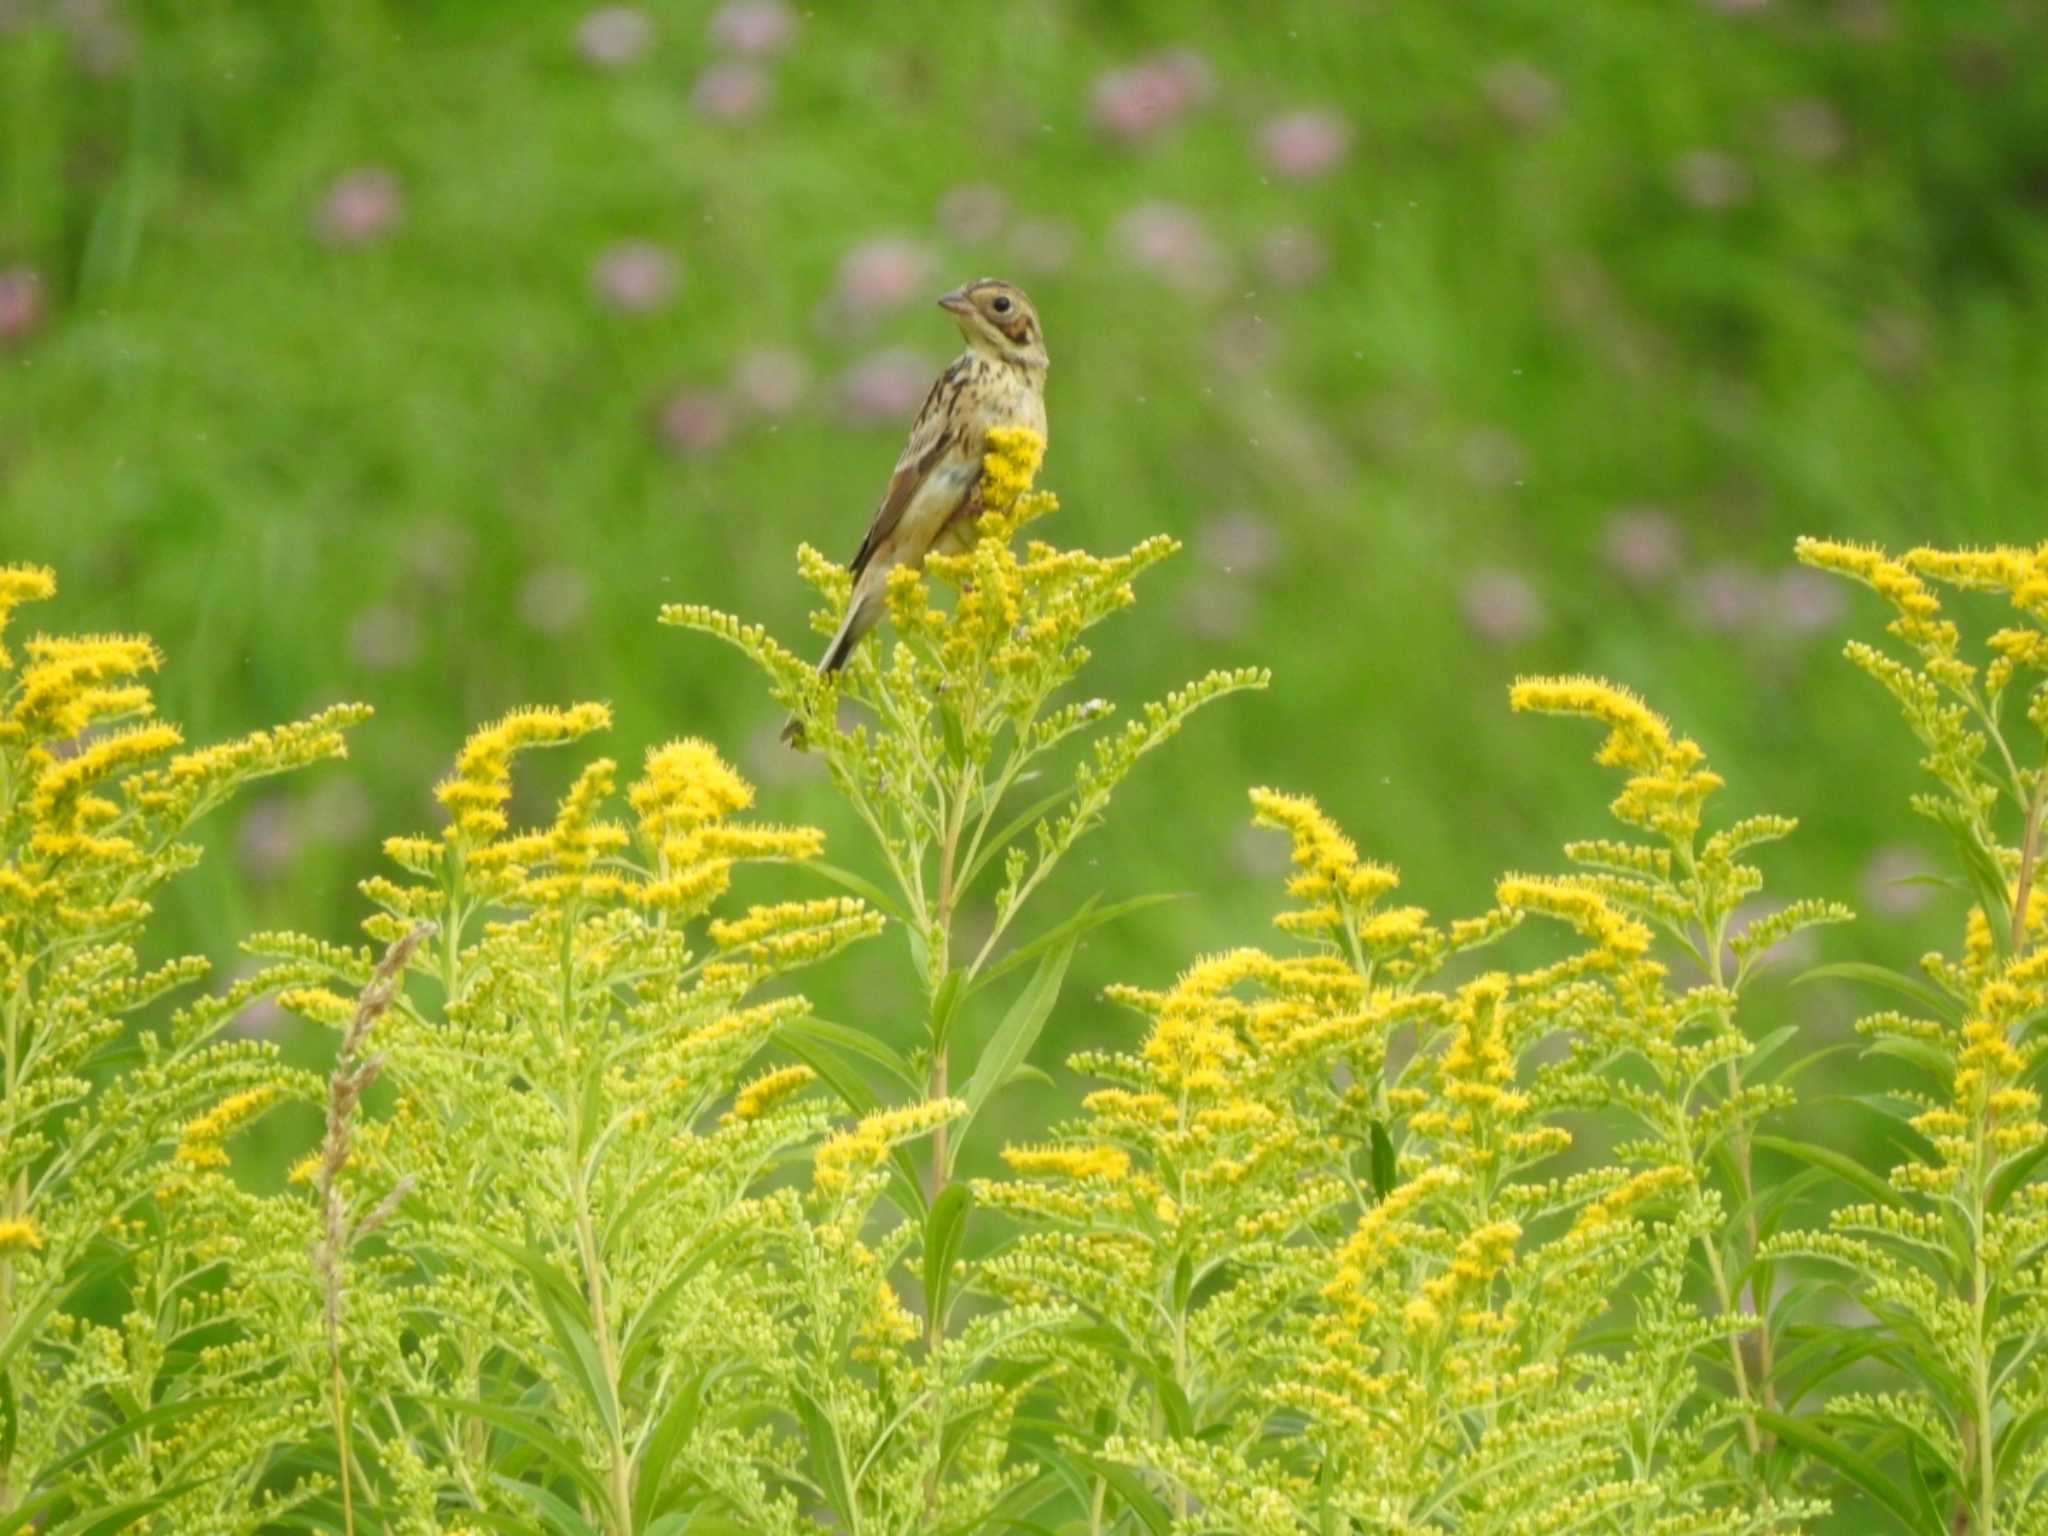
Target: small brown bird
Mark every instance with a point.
(932, 499)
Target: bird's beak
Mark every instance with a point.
(956, 301)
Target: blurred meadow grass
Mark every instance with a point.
(416, 353)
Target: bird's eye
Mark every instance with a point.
(1001, 305)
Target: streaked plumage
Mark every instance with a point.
(930, 503)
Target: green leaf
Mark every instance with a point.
(1022, 822)
(1014, 1037)
(828, 1461)
(1928, 997)
(858, 1042)
(1930, 1059)
(9, 1425)
(945, 1229)
(946, 1007)
(559, 1513)
(1086, 919)
(861, 1099)
(563, 1309)
(1383, 1164)
(861, 886)
(1846, 1169)
(657, 1452)
(1137, 1498)
(554, 1451)
(1857, 1468)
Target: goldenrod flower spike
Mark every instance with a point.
(475, 797)
(21, 584)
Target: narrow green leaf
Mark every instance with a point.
(861, 886)
(559, 1514)
(1014, 1037)
(556, 1453)
(1383, 1165)
(945, 1229)
(946, 1007)
(857, 1042)
(1088, 917)
(1846, 1169)
(1857, 1468)
(828, 1462)
(1928, 997)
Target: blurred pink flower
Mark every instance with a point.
(1805, 601)
(635, 276)
(1895, 342)
(1521, 95)
(974, 212)
(694, 421)
(1238, 544)
(731, 92)
(267, 837)
(1643, 544)
(1811, 130)
(613, 36)
(877, 276)
(1501, 606)
(1173, 242)
(1867, 21)
(885, 386)
(1303, 145)
(21, 304)
(1798, 950)
(1216, 609)
(101, 39)
(338, 809)
(361, 206)
(772, 380)
(1293, 258)
(756, 28)
(1894, 882)
(1710, 179)
(554, 599)
(384, 636)
(1044, 245)
(1727, 597)
(1242, 341)
(1143, 98)
(1492, 459)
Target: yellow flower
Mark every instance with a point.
(22, 584)
(768, 1090)
(18, 1235)
(475, 797)
(1096, 1162)
(200, 1142)
(1009, 466)
(846, 1156)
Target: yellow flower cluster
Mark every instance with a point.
(1668, 784)
(1070, 1162)
(1617, 937)
(201, 1142)
(770, 1088)
(1008, 468)
(1337, 887)
(17, 1235)
(843, 1159)
(475, 796)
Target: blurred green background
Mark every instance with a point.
(417, 353)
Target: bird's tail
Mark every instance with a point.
(861, 615)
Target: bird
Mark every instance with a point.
(932, 497)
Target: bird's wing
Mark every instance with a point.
(929, 440)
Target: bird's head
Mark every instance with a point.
(998, 321)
